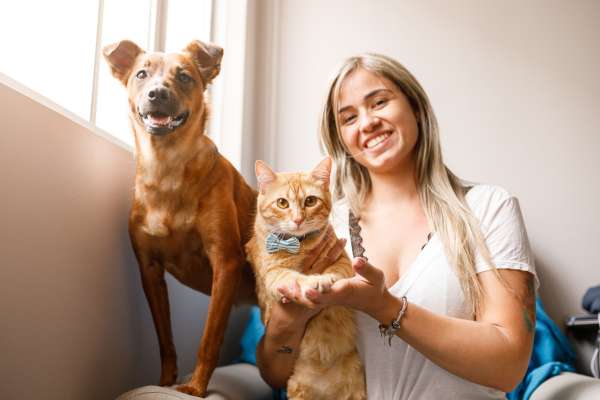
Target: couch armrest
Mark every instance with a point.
(568, 386)
(231, 382)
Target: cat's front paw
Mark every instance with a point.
(320, 283)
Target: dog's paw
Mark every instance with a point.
(320, 283)
(190, 389)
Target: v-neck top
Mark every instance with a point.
(400, 371)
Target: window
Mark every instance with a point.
(55, 48)
(50, 52)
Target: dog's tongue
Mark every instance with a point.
(159, 119)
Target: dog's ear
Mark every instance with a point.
(207, 58)
(120, 57)
(264, 175)
(322, 171)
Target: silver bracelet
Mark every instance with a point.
(389, 331)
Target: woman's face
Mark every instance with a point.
(377, 123)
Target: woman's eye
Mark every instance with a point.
(184, 78)
(380, 102)
(348, 119)
(282, 203)
(141, 74)
(310, 201)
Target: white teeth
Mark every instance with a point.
(376, 140)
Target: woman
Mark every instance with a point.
(448, 262)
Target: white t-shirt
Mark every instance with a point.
(400, 371)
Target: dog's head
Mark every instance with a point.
(165, 90)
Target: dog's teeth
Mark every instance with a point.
(156, 120)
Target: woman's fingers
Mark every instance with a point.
(338, 293)
(285, 294)
(294, 294)
(366, 270)
(332, 255)
(313, 256)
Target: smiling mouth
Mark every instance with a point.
(158, 123)
(371, 143)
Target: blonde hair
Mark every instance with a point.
(441, 192)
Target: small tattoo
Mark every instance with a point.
(285, 350)
(528, 322)
(529, 305)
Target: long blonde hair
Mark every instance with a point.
(441, 192)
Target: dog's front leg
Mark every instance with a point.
(227, 260)
(155, 288)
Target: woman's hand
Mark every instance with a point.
(365, 291)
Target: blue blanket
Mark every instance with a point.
(552, 354)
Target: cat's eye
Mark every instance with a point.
(310, 201)
(282, 203)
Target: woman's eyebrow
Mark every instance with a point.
(367, 96)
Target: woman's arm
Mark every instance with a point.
(493, 351)
(278, 349)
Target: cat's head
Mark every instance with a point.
(294, 203)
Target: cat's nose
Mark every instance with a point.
(298, 221)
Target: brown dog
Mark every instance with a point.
(192, 211)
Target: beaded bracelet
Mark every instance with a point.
(390, 331)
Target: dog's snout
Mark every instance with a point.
(158, 94)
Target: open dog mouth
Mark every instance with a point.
(159, 123)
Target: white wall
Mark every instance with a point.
(515, 87)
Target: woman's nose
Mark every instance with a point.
(368, 122)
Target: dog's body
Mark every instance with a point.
(192, 211)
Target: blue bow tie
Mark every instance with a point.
(276, 243)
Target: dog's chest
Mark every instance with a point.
(161, 222)
(166, 211)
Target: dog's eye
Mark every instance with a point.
(142, 74)
(310, 201)
(184, 78)
(282, 203)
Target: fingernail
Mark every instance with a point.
(360, 263)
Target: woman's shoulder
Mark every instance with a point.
(491, 202)
(481, 194)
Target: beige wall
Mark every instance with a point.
(515, 87)
(75, 324)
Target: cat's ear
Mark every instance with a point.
(264, 175)
(322, 171)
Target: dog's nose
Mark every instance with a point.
(158, 94)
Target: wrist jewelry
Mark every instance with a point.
(390, 331)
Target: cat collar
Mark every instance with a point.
(286, 242)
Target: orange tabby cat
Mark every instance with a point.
(292, 218)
